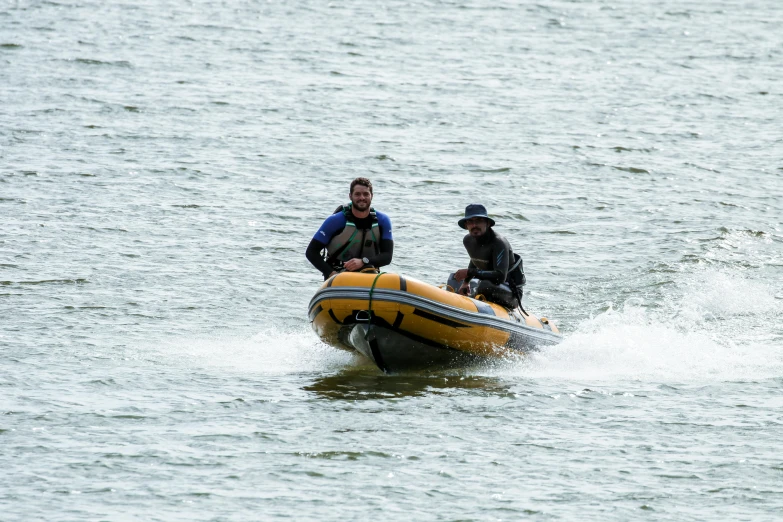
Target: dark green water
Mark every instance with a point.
(163, 165)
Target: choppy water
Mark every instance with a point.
(163, 165)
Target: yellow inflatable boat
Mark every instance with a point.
(404, 324)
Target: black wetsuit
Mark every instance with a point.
(491, 258)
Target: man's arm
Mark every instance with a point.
(495, 276)
(384, 257)
(330, 227)
(499, 260)
(313, 254)
(386, 244)
(463, 275)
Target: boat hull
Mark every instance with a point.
(394, 351)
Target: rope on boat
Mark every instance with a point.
(369, 304)
(370, 335)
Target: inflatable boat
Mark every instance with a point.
(402, 324)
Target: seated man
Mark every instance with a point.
(492, 262)
(356, 237)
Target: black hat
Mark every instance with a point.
(473, 211)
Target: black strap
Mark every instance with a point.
(516, 291)
(331, 259)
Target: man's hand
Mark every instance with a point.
(333, 273)
(461, 274)
(464, 289)
(354, 264)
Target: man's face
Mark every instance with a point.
(477, 226)
(361, 197)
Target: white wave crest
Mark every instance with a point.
(722, 326)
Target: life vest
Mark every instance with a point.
(352, 242)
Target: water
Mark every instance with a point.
(165, 163)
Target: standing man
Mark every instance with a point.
(355, 236)
(492, 262)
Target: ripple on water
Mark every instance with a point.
(169, 372)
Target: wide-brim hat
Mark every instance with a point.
(473, 211)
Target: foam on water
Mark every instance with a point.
(272, 351)
(631, 345)
(720, 328)
(725, 294)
